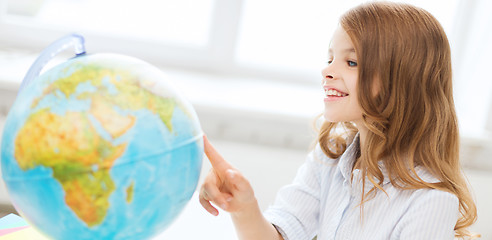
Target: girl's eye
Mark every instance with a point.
(352, 63)
(329, 61)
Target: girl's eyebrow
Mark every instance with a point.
(347, 50)
(350, 50)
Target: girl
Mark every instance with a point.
(386, 163)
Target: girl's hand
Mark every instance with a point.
(225, 186)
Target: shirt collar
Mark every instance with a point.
(346, 163)
(347, 160)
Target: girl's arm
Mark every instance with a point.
(226, 187)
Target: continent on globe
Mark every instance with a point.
(79, 157)
(113, 122)
(112, 89)
(70, 144)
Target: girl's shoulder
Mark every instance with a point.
(424, 195)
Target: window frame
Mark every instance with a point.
(217, 57)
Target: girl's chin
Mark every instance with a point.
(333, 119)
(333, 116)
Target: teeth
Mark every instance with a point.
(333, 92)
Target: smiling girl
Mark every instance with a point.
(386, 165)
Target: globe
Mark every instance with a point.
(101, 146)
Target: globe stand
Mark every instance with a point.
(50, 52)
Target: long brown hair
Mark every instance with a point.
(411, 120)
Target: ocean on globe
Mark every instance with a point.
(101, 146)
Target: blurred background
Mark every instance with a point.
(251, 69)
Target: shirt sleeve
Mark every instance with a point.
(432, 216)
(295, 213)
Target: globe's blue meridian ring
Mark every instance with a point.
(51, 51)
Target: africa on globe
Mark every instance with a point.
(101, 146)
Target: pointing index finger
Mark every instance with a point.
(217, 161)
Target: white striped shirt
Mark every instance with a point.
(323, 201)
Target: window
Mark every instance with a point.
(473, 81)
(266, 39)
(274, 38)
(295, 34)
(178, 22)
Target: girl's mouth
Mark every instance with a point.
(334, 93)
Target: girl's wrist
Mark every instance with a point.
(251, 224)
(249, 210)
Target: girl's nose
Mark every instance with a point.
(327, 73)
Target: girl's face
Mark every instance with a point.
(340, 81)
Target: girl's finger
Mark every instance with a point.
(206, 204)
(212, 193)
(218, 162)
